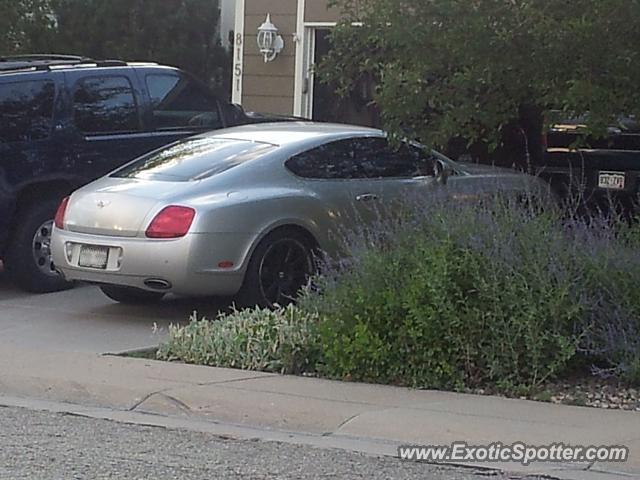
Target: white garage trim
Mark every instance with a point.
(238, 53)
(300, 71)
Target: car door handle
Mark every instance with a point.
(366, 197)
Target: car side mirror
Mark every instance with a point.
(443, 172)
(235, 114)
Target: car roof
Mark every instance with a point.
(288, 133)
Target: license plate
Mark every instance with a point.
(92, 256)
(611, 180)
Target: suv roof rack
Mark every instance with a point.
(53, 57)
(47, 61)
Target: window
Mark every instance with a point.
(330, 161)
(378, 159)
(178, 102)
(105, 105)
(370, 157)
(193, 159)
(26, 110)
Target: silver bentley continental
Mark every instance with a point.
(240, 212)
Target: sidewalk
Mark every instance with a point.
(368, 418)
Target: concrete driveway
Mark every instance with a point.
(84, 320)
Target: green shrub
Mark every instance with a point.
(612, 332)
(473, 295)
(498, 294)
(282, 340)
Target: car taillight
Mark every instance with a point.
(58, 220)
(171, 222)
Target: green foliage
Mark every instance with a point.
(282, 340)
(25, 25)
(448, 68)
(465, 297)
(501, 294)
(613, 331)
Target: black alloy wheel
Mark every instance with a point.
(280, 267)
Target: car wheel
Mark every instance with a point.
(280, 266)
(28, 260)
(130, 295)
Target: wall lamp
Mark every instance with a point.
(269, 42)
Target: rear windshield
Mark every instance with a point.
(193, 159)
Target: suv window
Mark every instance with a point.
(105, 105)
(378, 159)
(26, 110)
(179, 102)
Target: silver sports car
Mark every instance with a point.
(239, 212)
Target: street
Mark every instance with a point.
(48, 446)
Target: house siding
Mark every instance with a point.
(268, 87)
(318, 11)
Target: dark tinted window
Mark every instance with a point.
(26, 109)
(179, 102)
(362, 158)
(105, 105)
(193, 159)
(378, 159)
(332, 160)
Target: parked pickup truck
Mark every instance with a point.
(604, 170)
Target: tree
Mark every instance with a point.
(478, 68)
(25, 25)
(184, 33)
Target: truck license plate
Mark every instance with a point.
(611, 180)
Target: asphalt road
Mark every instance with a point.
(84, 320)
(41, 445)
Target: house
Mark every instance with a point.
(287, 84)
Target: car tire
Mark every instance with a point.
(28, 260)
(279, 267)
(130, 295)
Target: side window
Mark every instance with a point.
(333, 160)
(105, 105)
(378, 159)
(26, 110)
(178, 102)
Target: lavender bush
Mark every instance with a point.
(500, 293)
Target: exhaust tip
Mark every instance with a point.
(157, 284)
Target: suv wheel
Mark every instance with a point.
(130, 295)
(28, 260)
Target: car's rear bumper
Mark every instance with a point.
(186, 266)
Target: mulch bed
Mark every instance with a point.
(592, 392)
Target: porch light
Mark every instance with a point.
(269, 42)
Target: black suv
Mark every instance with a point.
(65, 121)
